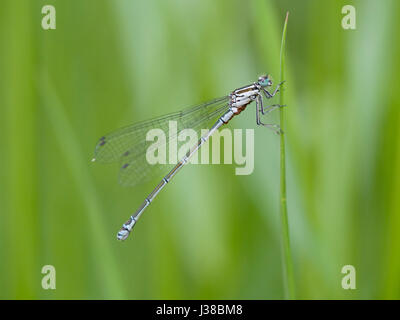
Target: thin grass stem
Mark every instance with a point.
(288, 274)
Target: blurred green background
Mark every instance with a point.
(111, 63)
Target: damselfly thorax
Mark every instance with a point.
(242, 97)
(127, 146)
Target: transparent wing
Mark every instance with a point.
(128, 145)
(135, 167)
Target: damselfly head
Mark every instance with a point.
(265, 81)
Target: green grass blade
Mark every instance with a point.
(287, 255)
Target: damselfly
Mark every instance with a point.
(128, 145)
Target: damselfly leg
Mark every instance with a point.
(271, 107)
(269, 95)
(261, 110)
